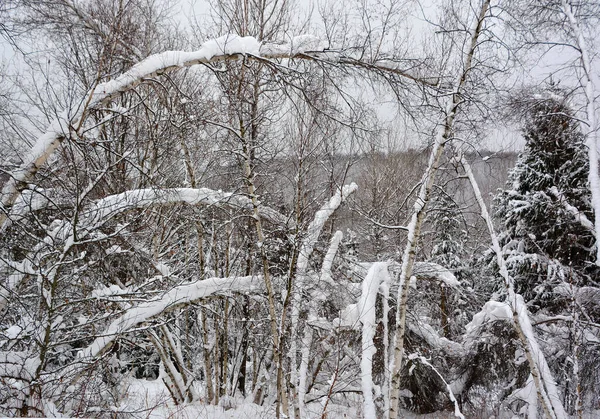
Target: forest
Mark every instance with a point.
(299, 209)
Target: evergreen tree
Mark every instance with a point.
(545, 242)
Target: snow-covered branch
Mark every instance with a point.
(312, 235)
(377, 275)
(182, 294)
(577, 215)
(227, 47)
(112, 205)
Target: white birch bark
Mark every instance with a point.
(542, 376)
(414, 226)
(312, 235)
(591, 134)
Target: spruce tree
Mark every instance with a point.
(545, 243)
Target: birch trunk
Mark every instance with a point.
(418, 216)
(591, 134)
(540, 372)
(312, 234)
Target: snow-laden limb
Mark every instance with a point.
(542, 376)
(444, 134)
(434, 340)
(436, 271)
(377, 275)
(316, 226)
(31, 200)
(577, 215)
(312, 235)
(329, 256)
(592, 134)
(424, 361)
(227, 47)
(528, 395)
(312, 314)
(300, 44)
(491, 311)
(112, 205)
(182, 294)
(37, 156)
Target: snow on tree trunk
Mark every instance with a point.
(377, 275)
(419, 212)
(312, 235)
(591, 140)
(308, 331)
(542, 376)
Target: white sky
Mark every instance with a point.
(502, 138)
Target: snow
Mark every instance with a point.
(538, 356)
(13, 332)
(316, 226)
(32, 199)
(231, 44)
(300, 44)
(577, 215)
(313, 232)
(109, 291)
(113, 205)
(433, 339)
(377, 275)
(433, 270)
(423, 360)
(181, 294)
(491, 311)
(348, 317)
(328, 259)
(163, 269)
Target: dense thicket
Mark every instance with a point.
(291, 217)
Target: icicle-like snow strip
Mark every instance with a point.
(377, 275)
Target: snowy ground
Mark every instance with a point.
(151, 400)
(146, 399)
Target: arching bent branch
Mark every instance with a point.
(228, 47)
(112, 205)
(180, 295)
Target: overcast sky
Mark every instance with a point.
(185, 11)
